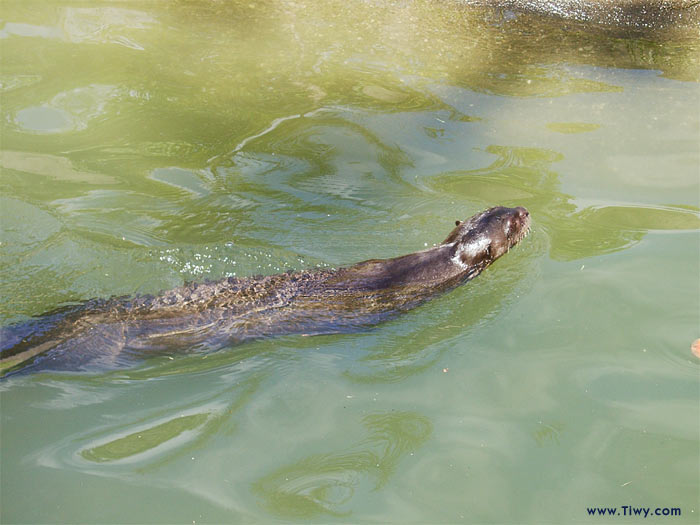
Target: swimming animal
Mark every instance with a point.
(110, 333)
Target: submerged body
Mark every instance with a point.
(110, 333)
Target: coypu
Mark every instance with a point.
(200, 316)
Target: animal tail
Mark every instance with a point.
(22, 343)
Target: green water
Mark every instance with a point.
(148, 144)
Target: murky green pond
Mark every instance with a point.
(148, 144)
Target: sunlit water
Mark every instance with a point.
(148, 145)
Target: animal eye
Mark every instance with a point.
(457, 223)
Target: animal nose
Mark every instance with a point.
(522, 212)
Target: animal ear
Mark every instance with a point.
(453, 236)
(457, 223)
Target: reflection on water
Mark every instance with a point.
(67, 111)
(143, 440)
(312, 53)
(147, 145)
(326, 483)
(156, 439)
(50, 166)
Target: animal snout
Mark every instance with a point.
(522, 213)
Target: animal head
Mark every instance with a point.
(482, 239)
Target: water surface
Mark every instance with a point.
(148, 145)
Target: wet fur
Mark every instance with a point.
(109, 333)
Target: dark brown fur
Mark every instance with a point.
(110, 333)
